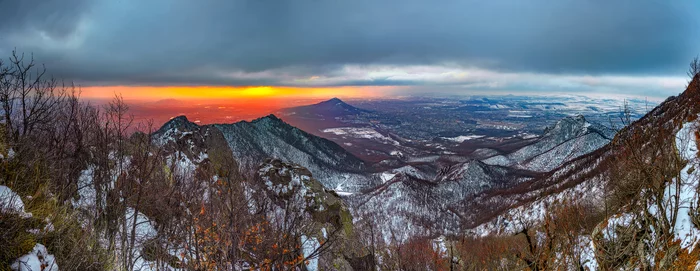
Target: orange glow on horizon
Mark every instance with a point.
(219, 104)
(226, 92)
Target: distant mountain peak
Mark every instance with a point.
(571, 124)
(330, 108)
(271, 119)
(577, 126)
(180, 118)
(578, 118)
(178, 123)
(335, 100)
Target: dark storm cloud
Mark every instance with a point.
(277, 42)
(55, 19)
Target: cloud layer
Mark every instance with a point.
(506, 45)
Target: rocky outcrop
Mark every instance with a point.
(326, 216)
(250, 143)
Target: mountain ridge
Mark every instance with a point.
(251, 142)
(566, 139)
(581, 177)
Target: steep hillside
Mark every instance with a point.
(644, 181)
(569, 138)
(591, 170)
(250, 143)
(407, 204)
(444, 202)
(328, 222)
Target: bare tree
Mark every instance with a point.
(694, 68)
(28, 97)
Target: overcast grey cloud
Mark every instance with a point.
(359, 42)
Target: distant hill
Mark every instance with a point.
(324, 110)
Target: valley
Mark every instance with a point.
(382, 164)
(370, 180)
(349, 135)
(422, 128)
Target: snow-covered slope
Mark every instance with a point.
(270, 137)
(473, 175)
(406, 205)
(569, 138)
(586, 179)
(250, 143)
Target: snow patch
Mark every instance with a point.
(309, 246)
(339, 190)
(10, 154)
(587, 251)
(86, 190)
(687, 147)
(367, 133)
(183, 165)
(10, 202)
(387, 176)
(144, 230)
(38, 259)
(461, 139)
(529, 136)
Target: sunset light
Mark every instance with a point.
(154, 93)
(361, 135)
(220, 104)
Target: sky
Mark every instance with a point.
(314, 49)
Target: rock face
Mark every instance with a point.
(328, 219)
(569, 138)
(188, 145)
